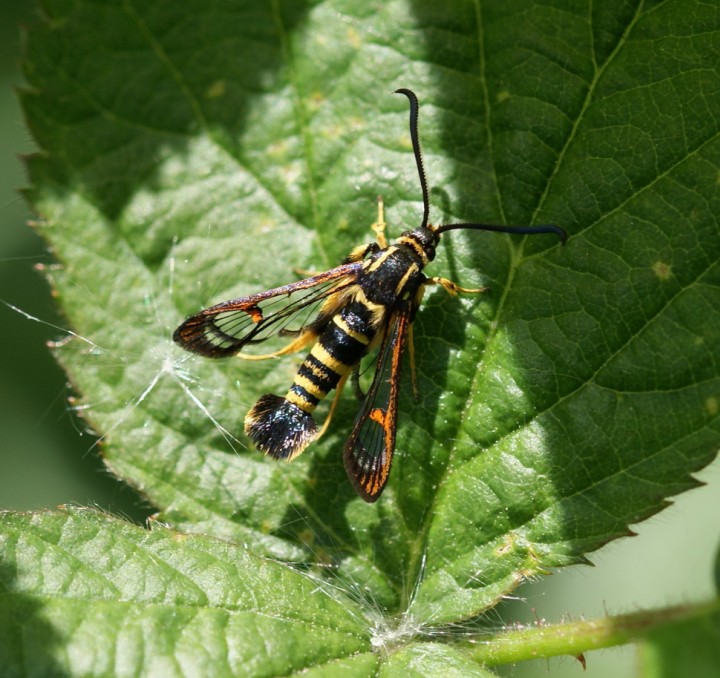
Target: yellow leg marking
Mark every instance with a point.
(379, 226)
(453, 288)
(303, 341)
(336, 399)
(358, 254)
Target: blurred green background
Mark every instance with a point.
(48, 457)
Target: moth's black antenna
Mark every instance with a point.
(520, 230)
(414, 107)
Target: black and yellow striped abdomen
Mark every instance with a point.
(283, 427)
(338, 349)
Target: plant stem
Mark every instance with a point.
(575, 638)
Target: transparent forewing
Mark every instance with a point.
(369, 450)
(226, 328)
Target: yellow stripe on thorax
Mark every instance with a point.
(412, 270)
(381, 259)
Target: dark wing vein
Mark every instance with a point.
(369, 450)
(226, 328)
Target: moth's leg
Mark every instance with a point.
(360, 252)
(357, 254)
(357, 389)
(453, 288)
(303, 340)
(379, 226)
(413, 371)
(336, 399)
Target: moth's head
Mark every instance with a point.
(423, 240)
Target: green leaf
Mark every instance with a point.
(167, 603)
(432, 659)
(195, 152)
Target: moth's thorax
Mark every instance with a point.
(393, 276)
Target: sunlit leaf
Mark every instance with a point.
(195, 152)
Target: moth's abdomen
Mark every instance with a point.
(279, 428)
(284, 427)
